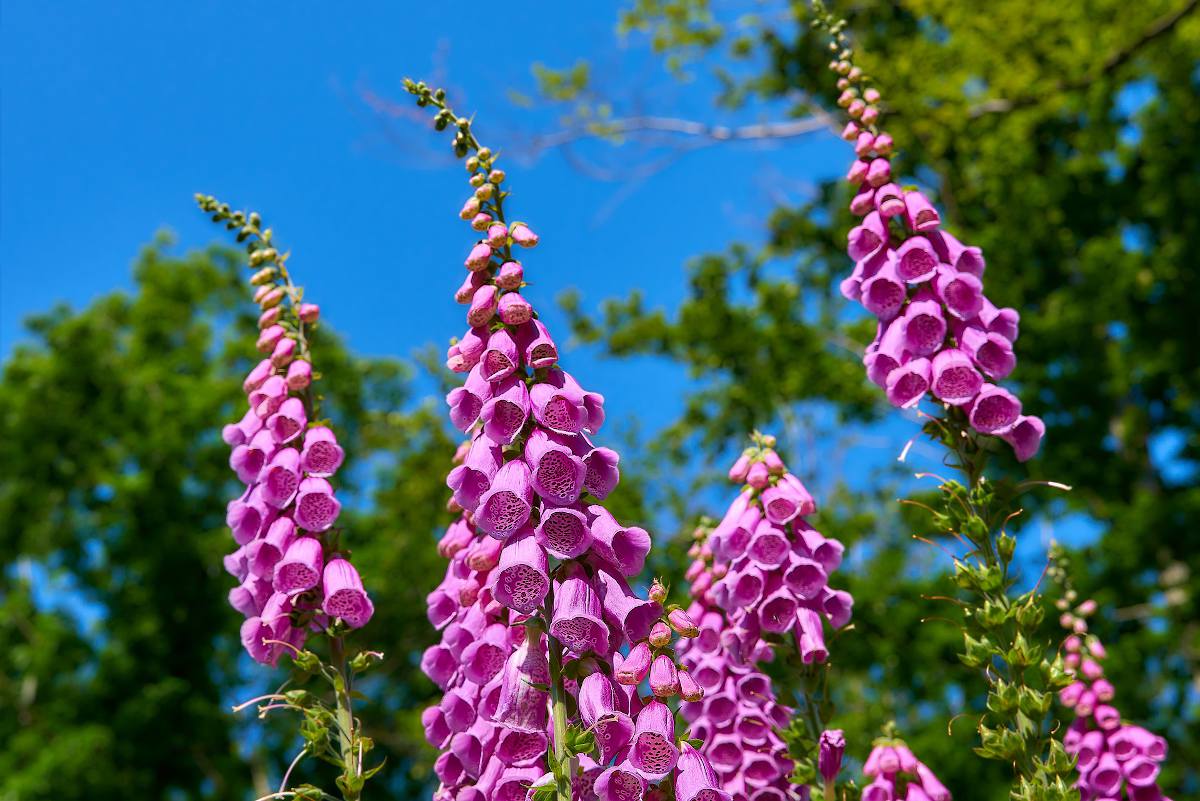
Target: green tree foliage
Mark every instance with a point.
(1064, 139)
(112, 500)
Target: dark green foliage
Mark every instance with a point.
(114, 487)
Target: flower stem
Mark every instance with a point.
(564, 768)
(345, 718)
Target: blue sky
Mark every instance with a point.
(114, 114)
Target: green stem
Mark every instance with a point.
(345, 714)
(558, 715)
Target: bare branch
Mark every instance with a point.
(784, 129)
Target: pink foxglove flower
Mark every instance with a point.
(539, 569)
(914, 273)
(762, 569)
(291, 580)
(1115, 759)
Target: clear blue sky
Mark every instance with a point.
(114, 114)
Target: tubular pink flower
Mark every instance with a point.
(316, 507)
(506, 412)
(916, 260)
(507, 504)
(577, 622)
(521, 580)
(301, 567)
(995, 410)
(345, 597)
(322, 455)
(471, 479)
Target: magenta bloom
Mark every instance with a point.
(577, 622)
(602, 707)
(316, 507)
(522, 706)
(345, 597)
(506, 506)
(995, 410)
(322, 455)
(301, 567)
(653, 753)
(521, 580)
(829, 759)
(697, 780)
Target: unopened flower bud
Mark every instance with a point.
(774, 463)
(855, 73)
(485, 155)
(510, 276)
(469, 286)
(871, 95)
(299, 374)
(864, 202)
(844, 67)
(829, 758)
(864, 143)
(472, 164)
(660, 634)
(272, 298)
(485, 192)
(689, 690)
(497, 235)
(514, 309)
(884, 144)
(856, 109)
(858, 171)
(658, 593)
(846, 98)
(285, 350)
(758, 476)
(523, 235)
(483, 306)
(470, 208)
(309, 312)
(477, 181)
(879, 172)
(269, 317)
(683, 624)
(263, 276)
(496, 176)
(269, 338)
(634, 667)
(1086, 608)
(870, 115)
(479, 257)
(664, 678)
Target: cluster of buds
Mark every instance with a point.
(938, 334)
(541, 570)
(294, 577)
(1115, 759)
(762, 571)
(895, 774)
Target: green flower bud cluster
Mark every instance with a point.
(1001, 639)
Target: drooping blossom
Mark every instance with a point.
(538, 565)
(293, 577)
(938, 335)
(893, 773)
(1115, 759)
(763, 570)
